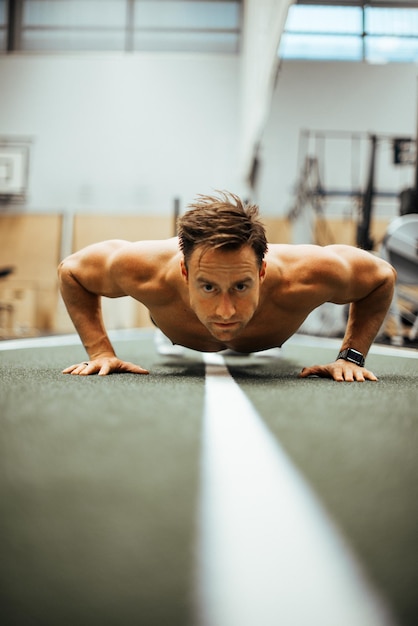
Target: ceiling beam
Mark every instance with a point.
(388, 4)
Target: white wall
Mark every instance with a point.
(123, 133)
(335, 96)
(128, 133)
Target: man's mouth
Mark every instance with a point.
(222, 327)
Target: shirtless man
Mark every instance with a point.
(219, 286)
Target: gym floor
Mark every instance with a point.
(111, 488)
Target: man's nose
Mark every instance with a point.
(225, 307)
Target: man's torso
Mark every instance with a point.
(286, 298)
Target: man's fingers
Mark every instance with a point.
(104, 370)
(101, 368)
(305, 372)
(369, 375)
(140, 370)
(75, 369)
(132, 368)
(314, 370)
(344, 372)
(123, 368)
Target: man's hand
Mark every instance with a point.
(340, 370)
(103, 366)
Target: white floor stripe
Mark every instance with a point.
(268, 554)
(126, 334)
(335, 344)
(39, 342)
(54, 341)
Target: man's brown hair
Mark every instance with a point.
(222, 221)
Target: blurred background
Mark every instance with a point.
(115, 114)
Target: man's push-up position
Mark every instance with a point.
(218, 286)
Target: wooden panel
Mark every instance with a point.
(31, 245)
(278, 229)
(378, 230)
(94, 228)
(18, 309)
(328, 231)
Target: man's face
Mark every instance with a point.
(224, 289)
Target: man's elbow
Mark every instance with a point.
(62, 268)
(391, 275)
(65, 270)
(389, 278)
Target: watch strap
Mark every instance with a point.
(354, 356)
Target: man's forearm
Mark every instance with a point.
(84, 309)
(366, 317)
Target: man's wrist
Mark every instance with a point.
(352, 355)
(100, 354)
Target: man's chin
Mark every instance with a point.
(225, 332)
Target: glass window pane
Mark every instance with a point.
(320, 19)
(187, 42)
(321, 47)
(387, 49)
(391, 21)
(53, 41)
(87, 13)
(2, 12)
(190, 15)
(3, 26)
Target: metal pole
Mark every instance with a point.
(176, 213)
(416, 161)
(363, 230)
(14, 24)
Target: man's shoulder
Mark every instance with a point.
(146, 256)
(303, 249)
(144, 265)
(306, 267)
(310, 255)
(153, 247)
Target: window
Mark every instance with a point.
(358, 32)
(391, 34)
(3, 26)
(49, 25)
(122, 25)
(185, 25)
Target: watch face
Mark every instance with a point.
(355, 357)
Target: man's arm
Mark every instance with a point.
(84, 278)
(367, 282)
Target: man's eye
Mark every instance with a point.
(208, 288)
(241, 287)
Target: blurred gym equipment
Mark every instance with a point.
(6, 308)
(400, 248)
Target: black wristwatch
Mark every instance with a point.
(352, 355)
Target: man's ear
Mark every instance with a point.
(184, 271)
(262, 272)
